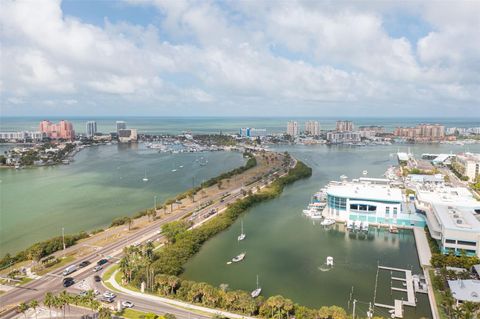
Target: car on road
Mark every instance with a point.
(102, 262)
(97, 268)
(83, 293)
(68, 283)
(108, 294)
(67, 279)
(97, 278)
(105, 299)
(127, 304)
(84, 263)
(69, 270)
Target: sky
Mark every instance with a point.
(240, 58)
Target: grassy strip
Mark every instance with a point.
(63, 262)
(438, 299)
(171, 259)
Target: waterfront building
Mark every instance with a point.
(452, 216)
(253, 132)
(312, 128)
(61, 130)
(22, 136)
(465, 290)
(427, 132)
(343, 137)
(371, 200)
(344, 126)
(121, 125)
(467, 164)
(91, 128)
(127, 135)
(292, 128)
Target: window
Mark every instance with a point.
(395, 211)
(387, 211)
(467, 243)
(450, 241)
(372, 208)
(354, 206)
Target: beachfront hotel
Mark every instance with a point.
(371, 200)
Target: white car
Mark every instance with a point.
(127, 304)
(108, 294)
(97, 268)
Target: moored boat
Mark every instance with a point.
(238, 258)
(327, 222)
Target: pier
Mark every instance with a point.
(410, 290)
(423, 249)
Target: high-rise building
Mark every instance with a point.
(62, 130)
(127, 135)
(91, 128)
(121, 125)
(344, 126)
(312, 128)
(422, 132)
(292, 128)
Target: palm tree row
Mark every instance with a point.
(64, 300)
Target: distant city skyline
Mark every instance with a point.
(241, 58)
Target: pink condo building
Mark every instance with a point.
(61, 130)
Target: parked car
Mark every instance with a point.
(97, 278)
(83, 293)
(102, 262)
(127, 304)
(67, 279)
(97, 268)
(84, 263)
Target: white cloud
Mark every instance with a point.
(269, 54)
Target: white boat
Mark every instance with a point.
(257, 291)
(329, 261)
(145, 179)
(358, 225)
(316, 215)
(349, 224)
(365, 226)
(238, 258)
(242, 234)
(327, 222)
(181, 166)
(309, 212)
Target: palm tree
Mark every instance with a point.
(129, 222)
(23, 307)
(65, 298)
(104, 313)
(34, 305)
(49, 301)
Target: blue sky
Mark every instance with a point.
(240, 58)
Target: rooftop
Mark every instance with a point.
(362, 189)
(457, 218)
(445, 195)
(465, 290)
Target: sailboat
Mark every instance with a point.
(174, 169)
(145, 179)
(257, 291)
(242, 234)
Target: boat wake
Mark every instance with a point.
(324, 268)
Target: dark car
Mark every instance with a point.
(67, 279)
(102, 262)
(84, 263)
(97, 278)
(68, 283)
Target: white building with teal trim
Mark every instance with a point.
(372, 200)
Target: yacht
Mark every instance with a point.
(257, 291)
(309, 212)
(393, 229)
(238, 258)
(327, 222)
(349, 224)
(145, 179)
(358, 225)
(242, 234)
(365, 226)
(316, 215)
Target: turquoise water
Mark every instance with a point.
(172, 125)
(104, 182)
(287, 250)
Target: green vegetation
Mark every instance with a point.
(432, 243)
(251, 162)
(215, 139)
(457, 170)
(39, 250)
(441, 261)
(135, 314)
